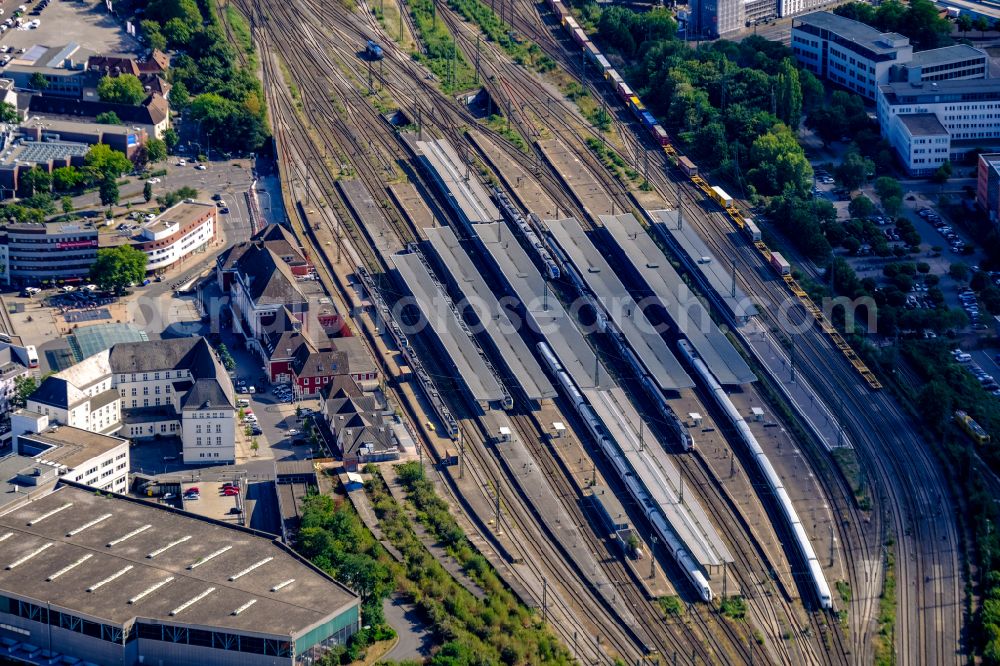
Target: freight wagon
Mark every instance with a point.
(779, 264)
(688, 167)
(720, 197)
(750, 229)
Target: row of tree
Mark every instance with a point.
(223, 98)
(920, 20)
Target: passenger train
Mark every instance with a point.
(819, 584)
(614, 455)
(656, 132)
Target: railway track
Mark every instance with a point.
(284, 119)
(599, 169)
(510, 74)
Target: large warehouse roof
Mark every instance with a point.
(684, 309)
(461, 350)
(640, 333)
(115, 559)
(492, 317)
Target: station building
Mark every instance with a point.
(107, 579)
(860, 58)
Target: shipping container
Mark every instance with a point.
(580, 37)
(721, 197)
(660, 135)
(647, 119)
(687, 166)
(750, 229)
(624, 91)
(592, 52)
(570, 23)
(603, 63)
(615, 78)
(779, 264)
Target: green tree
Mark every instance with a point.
(170, 137)
(935, 404)
(117, 267)
(982, 24)
(108, 190)
(35, 180)
(861, 207)
(228, 362)
(8, 113)
(147, 191)
(38, 81)
(964, 23)
(67, 205)
(942, 174)
(154, 37)
(788, 94)
(24, 386)
(887, 186)
(852, 172)
(958, 270)
(108, 118)
(156, 150)
(107, 162)
(121, 89)
(177, 32)
(66, 179)
(779, 163)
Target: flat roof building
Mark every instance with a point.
(860, 58)
(929, 124)
(112, 580)
(988, 185)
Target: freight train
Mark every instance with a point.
(656, 132)
(819, 584)
(609, 447)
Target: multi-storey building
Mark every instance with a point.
(50, 253)
(851, 54)
(988, 185)
(90, 458)
(177, 233)
(967, 116)
(172, 387)
(859, 58)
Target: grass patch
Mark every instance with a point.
(885, 650)
(499, 125)
(494, 629)
(391, 19)
(615, 163)
(671, 606)
(240, 28)
(734, 608)
(442, 56)
(383, 102)
(844, 589)
(293, 89)
(523, 52)
(847, 460)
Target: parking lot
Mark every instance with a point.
(87, 23)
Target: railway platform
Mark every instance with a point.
(516, 180)
(413, 207)
(578, 179)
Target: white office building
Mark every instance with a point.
(159, 388)
(931, 123)
(858, 57)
